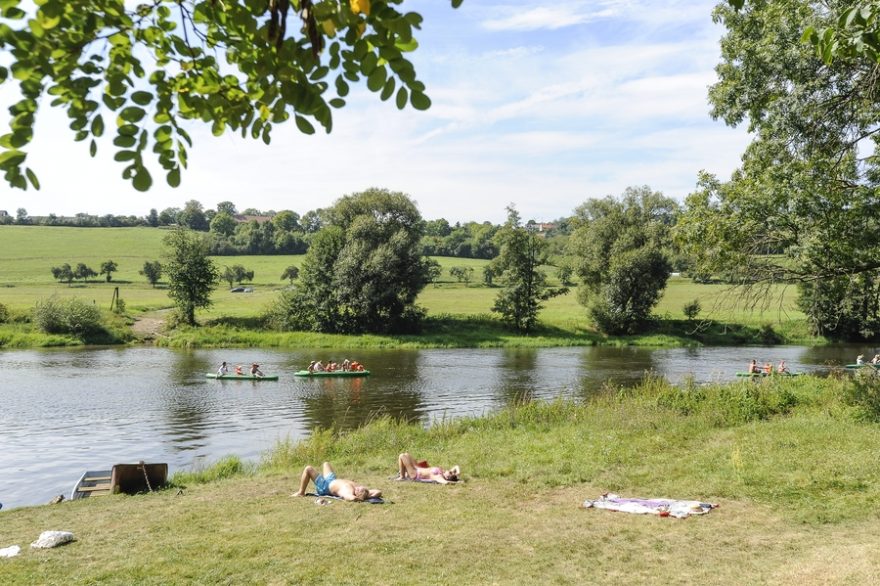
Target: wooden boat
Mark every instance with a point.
(127, 478)
(247, 376)
(324, 373)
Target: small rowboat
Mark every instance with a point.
(127, 478)
(758, 374)
(332, 373)
(240, 376)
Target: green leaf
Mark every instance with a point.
(97, 125)
(125, 156)
(32, 177)
(125, 141)
(304, 125)
(173, 177)
(142, 181)
(142, 98)
(132, 114)
(376, 79)
(93, 148)
(11, 158)
(388, 90)
(420, 101)
(337, 103)
(402, 96)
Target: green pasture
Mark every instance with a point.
(27, 255)
(791, 464)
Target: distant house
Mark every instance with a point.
(242, 219)
(546, 226)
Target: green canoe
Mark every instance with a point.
(334, 373)
(756, 374)
(240, 376)
(865, 365)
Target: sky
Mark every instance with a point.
(542, 104)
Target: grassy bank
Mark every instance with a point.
(791, 462)
(460, 313)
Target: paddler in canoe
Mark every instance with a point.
(223, 370)
(255, 370)
(753, 367)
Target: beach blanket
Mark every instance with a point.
(656, 506)
(373, 501)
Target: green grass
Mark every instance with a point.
(461, 314)
(791, 463)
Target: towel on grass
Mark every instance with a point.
(662, 507)
(376, 500)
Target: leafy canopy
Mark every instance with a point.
(140, 72)
(191, 274)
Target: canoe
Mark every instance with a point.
(126, 478)
(335, 373)
(240, 376)
(865, 365)
(756, 374)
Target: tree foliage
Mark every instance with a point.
(802, 208)
(108, 267)
(363, 270)
(63, 273)
(290, 273)
(191, 274)
(152, 271)
(525, 286)
(619, 249)
(142, 71)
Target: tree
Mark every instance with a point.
(193, 216)
(191, 274)
(843, 308)
(63, 273)
(224, 224)
(168, 216)
(226, 207)
(462, 274)
(21, 215)
(287, 221)
(236, 273)
(291, 273)
(433, 270)
(107, 268)
(84, 272)
(363, 270)
(521, 255)
(233, 65)
(619, 252)
(801, 209)
(152, 271)
(153, 218)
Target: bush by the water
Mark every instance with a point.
(68, 316)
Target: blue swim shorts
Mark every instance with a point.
(322, 484)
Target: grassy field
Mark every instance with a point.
(790, 462)
(27, 255)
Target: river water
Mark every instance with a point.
(65, 411)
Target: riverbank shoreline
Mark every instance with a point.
(445, 331)
(789, 461)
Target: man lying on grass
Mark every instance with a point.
(327, 484)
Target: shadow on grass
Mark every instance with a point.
(244, 323)
(717, 333)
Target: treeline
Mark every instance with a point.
(256, 232)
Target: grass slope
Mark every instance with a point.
(789, 461)
(461, 312)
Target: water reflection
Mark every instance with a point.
(516, 374)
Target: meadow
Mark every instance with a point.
(790, 462)
(461, 311)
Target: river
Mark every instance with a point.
(64, 411)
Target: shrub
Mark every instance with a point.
(72, 316)
(4, 314)
(692, 309)
(864, 393)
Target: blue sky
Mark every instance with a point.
(543, 104)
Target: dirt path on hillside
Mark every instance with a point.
(149, 326)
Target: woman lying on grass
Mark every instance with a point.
(409, 469)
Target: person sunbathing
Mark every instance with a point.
(327, 484)
(409, 469)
